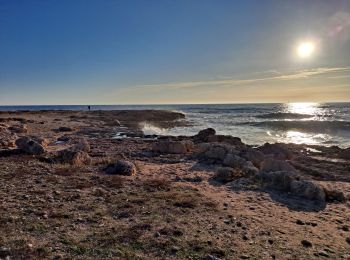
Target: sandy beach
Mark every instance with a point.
(71, 189)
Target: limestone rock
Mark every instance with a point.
(272, 165)
(74, 157)
(121, 167)
(7, 138)
(173, 147)
(308, 190)
(29, 146)
(19, 129)
(279, 151)
(333, 195)
(204, 135)
(279, 180)
(82, 145)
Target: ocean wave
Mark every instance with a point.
(305, 126)
(280, 115)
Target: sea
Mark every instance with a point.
(302, 123)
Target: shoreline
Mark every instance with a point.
(64, 195)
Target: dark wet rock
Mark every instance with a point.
(63, 138)
(64, 129)
(273, 165)
(228, 139)
(121, 167)
(308, 190)
(29, 146)
(333, 195)
(74, 157)
(345, 153)
(173, 147)
(278, 151)
(204, 135)
(4, 252)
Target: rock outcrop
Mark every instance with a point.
(173, 147)
(7, 138)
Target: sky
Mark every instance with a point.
(173, 52)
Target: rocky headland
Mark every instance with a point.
(72, 188)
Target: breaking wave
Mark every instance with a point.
(284, 116)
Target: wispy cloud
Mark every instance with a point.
(274, 76)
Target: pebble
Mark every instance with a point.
(345, 228)
(348, 240)
(306, 243)
(300, 222)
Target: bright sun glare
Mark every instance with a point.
(305, 49)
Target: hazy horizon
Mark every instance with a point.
(174, 52)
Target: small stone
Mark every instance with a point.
(345, 228)
(322, 253)
(245, 238)
(244, 257)
(157, 234)
(306, 243)
(348, 240)
(174, 249)
(300, 222)
(270, 241)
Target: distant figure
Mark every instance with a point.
(89, 108)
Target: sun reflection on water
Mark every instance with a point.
(302, 138)
(302, 108)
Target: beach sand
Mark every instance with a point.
(173, 206)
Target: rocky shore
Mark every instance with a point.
(71, 187)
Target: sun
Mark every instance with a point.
(305, 49)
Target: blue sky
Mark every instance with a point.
(193, 51)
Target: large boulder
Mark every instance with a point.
(29, 146)
(279, 151)
(272, 165)
(234, 161)
(121, 167)
(308, 190)
(173, 147)
(204, 135)
(255, 156)
(228, 139)
(73, 157)
(279, 180)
